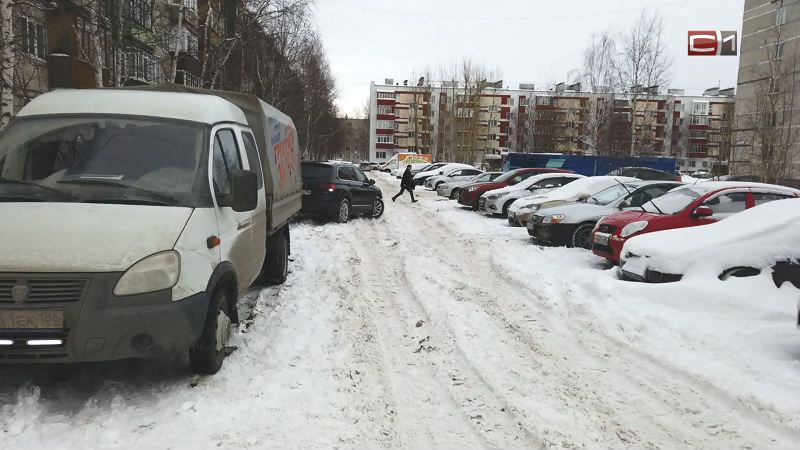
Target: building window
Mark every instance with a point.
(695, 149)
(385, 109)
(385, 139)
(86, 48)
(492, 123)
(386, 125)
(386, 95)
(779, 51)
(191, 44)
(31, 36)
(142, 65)
(700, 108)
(491, 137)
(381, 155)
(396, 126)
(141, 12)
(699, 120)
(780, 16)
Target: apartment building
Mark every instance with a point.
(767, 142)
(467, 125)
(85, 44)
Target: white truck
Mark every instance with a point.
(132, 221)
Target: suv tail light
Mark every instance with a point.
(328, 187)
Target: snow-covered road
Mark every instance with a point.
(434, 327)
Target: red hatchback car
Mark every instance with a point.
(470, 194)
(686, 206)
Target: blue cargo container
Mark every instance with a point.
(585, 165)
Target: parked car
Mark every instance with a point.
(398, 173)
(428, 167)
(497, 201)
(687, 206)
(521, 211)
(645, 173)
(339, 191)
(454, 174)
(469, 195)
(743, 245)
(419, 178)
(368, 166)
(135, 218)
(572, 224)
(451, 189)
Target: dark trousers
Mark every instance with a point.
(405, 189)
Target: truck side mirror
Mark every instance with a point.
(244, 191)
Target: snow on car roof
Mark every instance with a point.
(752, 238)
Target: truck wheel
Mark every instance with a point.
(276, 267)
(582, 236)
(207, 355)
(454, 194)
(344, 211)
(377, 208)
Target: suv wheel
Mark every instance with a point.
(344, 211)
(377, 208)
(582, 236)
(207, 355)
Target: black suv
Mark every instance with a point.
(339, 191)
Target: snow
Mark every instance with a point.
(435, 327)
(757, 237)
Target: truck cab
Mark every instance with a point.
(133, 220)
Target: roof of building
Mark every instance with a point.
(173, 105)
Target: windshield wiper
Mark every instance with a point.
(107, 182)
(36, 185)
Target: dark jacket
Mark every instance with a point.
(408, 180)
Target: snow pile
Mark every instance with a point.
(757, 237)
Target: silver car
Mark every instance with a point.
(451, 189)
(572, 224)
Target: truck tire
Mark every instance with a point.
(207, 355)
(276, 265)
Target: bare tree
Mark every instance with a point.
(641, 67)
(599, 64)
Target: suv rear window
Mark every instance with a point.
(316, 171)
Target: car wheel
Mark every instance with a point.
(582, 236)
(739, 272)
(505, 209)
(276, 267)
(454, 194)
(438, 184)
(207, 355)
(377, 208)
(344, 211)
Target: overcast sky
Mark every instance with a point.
(536, 41)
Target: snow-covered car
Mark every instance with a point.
(451, 189)
(521, 211)
(428, 167)
(741, 245)
(572, 224)
(498, 201)
(419, 179)
(398, 173)
(455, 174)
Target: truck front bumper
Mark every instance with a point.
(97, 326)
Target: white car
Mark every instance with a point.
(521, 211)
(455, 174)
(498, 201)
(419, 179)
(741, 245)
(398, 173)
(451, 189)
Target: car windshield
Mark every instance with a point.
(675, 200)
(612, 193)
(89, 157)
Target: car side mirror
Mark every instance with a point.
(371, 182)
(441, 172)
(244, 191)
(583, 196)
(702, 211)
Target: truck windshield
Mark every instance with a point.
(101, 159)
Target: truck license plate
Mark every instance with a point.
(31, 320)
(601, 238)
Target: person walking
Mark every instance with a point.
(406, 184)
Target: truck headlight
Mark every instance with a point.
(156, 272)
(555, 218)
(632, 228)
